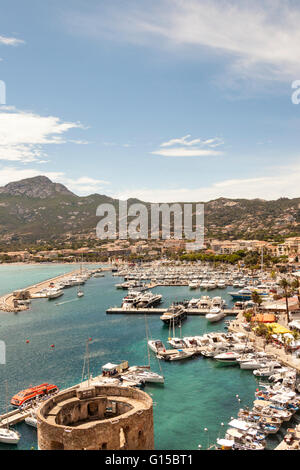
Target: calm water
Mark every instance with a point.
(197, 394)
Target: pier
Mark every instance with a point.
(7, 300)
(161, 311)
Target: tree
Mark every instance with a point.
(285, 285)
(256, 298)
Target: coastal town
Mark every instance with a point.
(149, 230)
(260, 333)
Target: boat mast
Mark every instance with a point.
(88, 360)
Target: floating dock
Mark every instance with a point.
(161, 311)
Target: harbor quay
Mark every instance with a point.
(8, 302)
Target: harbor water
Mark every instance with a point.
(197, 394)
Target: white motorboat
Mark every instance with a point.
(54, 293)
(215, 314)
(8, 436)
(268, 370)
(194, 284)
(179, 355)
(156, 346)
(146, 374)
(31, 421)
(227, 358)
(177, 343)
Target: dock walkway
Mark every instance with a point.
(161, 311)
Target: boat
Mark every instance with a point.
(194, 284)
(148, 299)
(54, 293)
(174, 315)
(31, 421)
(8, 436)
(227, 358)
(29, 394)
(178, 356)
(156, 346)
(80, 293)
(177, 343)
(144, 373)
(243, 294)
(215, 314)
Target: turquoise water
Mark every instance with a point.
(197, 394)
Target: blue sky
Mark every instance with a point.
(164, 100)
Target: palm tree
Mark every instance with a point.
(285, 285)
(256, 298)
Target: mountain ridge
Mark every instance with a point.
(35, 210)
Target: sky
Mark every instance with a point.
(168, 100)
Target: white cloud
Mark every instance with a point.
(84, 185)
(259, 38)
(184, 152)
(185, 147)
(9, 41)
(282, 182)
(23, 134)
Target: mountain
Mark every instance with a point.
(36, 210)
(38, 187)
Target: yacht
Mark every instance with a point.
(194, 284)
(243, 294)
(130, 300)
(54, 293)
(148, 300)
(174, 315)
(205, 302)
(215, 314)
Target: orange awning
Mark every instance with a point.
(264, 318)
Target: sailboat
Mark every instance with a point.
(144, 371)
(8, 436)
(80, 292)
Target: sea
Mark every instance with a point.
(47, 344)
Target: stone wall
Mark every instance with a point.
(112, 418)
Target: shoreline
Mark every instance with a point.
(7, 300)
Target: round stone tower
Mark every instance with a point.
(97, 418)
